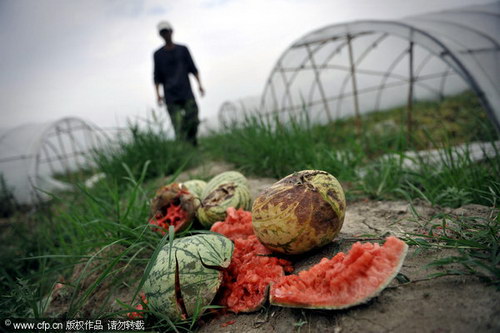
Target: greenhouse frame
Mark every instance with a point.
(34, 155)
(354, 68)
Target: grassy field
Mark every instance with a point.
(102, 232)
(266, 147)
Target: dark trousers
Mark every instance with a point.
(184, 118)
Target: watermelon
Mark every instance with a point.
(343, 281)
(224, 178)
(173, 205)
(229, 189)
(252, 269)
(302, 211)
(187, 276)
(195, 187)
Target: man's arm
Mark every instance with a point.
(159, 99)
(157, 81)
(200, 87)
(192, 69)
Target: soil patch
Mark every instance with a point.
(104, 293)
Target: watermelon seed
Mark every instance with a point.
(178, 294)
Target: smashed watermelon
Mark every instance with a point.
(237, 225)
(252, 269)
(345, 280)
(173, 205)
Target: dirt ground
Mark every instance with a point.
(445, 304)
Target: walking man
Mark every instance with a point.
(172, 65)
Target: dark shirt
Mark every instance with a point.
(171, 69)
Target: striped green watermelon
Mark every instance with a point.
(195, 186)
(213, 207)
(187, 275)
(345, 280)
(224, 178)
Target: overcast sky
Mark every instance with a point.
(93, 58)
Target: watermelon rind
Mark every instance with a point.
(214, 206)
(224, 178)
(278, 301)
(199, 281)
(195, 186)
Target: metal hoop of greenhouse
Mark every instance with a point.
(354, 68)
(40, 158)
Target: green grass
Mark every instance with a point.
(99, 238)
(145, 141)
(371, 165)
(98, 243)
(475, 239)
(77, 229)
(265, 148)
(9, 205)
(457, 182)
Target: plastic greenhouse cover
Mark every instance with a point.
(31, 154)
(234, 111)
(453, 51)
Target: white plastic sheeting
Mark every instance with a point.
(31, 154)
(353, 68)
(235, 111)
(471, 152)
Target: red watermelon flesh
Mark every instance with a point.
(252, 269)
(343, 281)
(172, 205)
(174, 215)
(237, 225)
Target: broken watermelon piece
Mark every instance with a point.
(345, 280)
(140, 307)
(173, 205)
(237, 225)
(174, 215)
(246, 281)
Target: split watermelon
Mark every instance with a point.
(228, 189)
(173, 205)
(345, 280)
(187, 275)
